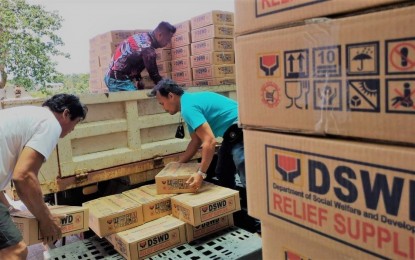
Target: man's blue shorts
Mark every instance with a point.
(9, 234)
(115, 85)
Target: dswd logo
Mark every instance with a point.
(287, 168)
(269, 65)
(290, 255)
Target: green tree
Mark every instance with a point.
(27, 43)
(76, 83)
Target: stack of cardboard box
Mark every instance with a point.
(201, 53)
(151, 219)
(327, 107)
(180, 43)
(212, 59)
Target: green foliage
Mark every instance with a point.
(76, 83)
(27, 43)
(73, 84)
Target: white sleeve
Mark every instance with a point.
(45, 138)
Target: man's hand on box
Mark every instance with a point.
(195, 181)
(51, 228)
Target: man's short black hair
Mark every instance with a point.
(167, 27)
(166, 86)
(59, 102)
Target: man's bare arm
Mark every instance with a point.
(29, 191)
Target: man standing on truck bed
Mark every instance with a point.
(208, 115)
(133, 55)
(28, 135)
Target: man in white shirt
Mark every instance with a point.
(28, 135)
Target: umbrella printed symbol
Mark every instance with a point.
(364, 55)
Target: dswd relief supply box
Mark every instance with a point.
(215, 44)
(184, 75)
(209, 227)
(209, 203)
(355, 193)
(182, 27)
(214, 82)
(284, 241)
(74, 221)
(180, 64)
(257, 15)
(349, 77)
(114, 213)
(172, 179)
(163, 55)
(149, 239)
(180, 52)
(214, 71)
(154, 206)
(212, 58)
(212, 17)
(212, 31)
(179, 40)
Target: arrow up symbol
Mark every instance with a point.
(300, 60)
(291, 60)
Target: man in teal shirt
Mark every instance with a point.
(208, 115)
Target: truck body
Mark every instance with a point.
(124, 134)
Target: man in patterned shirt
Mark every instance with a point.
(133, 55)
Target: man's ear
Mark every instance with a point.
(66, 113)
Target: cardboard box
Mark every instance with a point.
(179, 40)
(210, 45)
(357, 194)
(116, 36)
(75, 222)
(212, 31)
(209, 203)
(154, 206)
(180, 52)
(115, 213)
(212, 17)
(214, 82)
(284, 242)
(180, 64)
(164, 67)
(214, 71)
(152, 190)
(172, 179)
(182, 75)
(257, 15)
(184, 84)
(149, 239)
(182, 27)
(165, 75)
(207, 228)
(343, 77)
(212, 58)
(106, 49)
(163, 55)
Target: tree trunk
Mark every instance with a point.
(3, 77)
